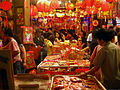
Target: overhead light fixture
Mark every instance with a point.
(59, 2)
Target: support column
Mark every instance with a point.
(27, 12)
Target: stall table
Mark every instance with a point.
(57, 66)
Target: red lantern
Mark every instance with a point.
(54, 4)
(95, 23)
(91, 10)
(33, 10)
(78, 4)
(5, 5)
(105, 7)
(70, 6)
(87, 3)
(110, 0)
(43, 6)
(98, 4)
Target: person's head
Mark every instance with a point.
(69, 33)
(112, 36)
(51, 38)
(8, 32)
(93, 34)
(49, 29)
(110, 27)
(17, 39)
(38, 33)
(103, 35)
(7, 35)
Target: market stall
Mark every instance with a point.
(69, 61)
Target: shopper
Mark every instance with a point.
(89, 38)
(22, 53)
(13, 46)
(49, 44)
(57, 38)
(108, 59)
(38, 39)
(93, 43)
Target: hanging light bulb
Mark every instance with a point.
(69, 1)
(59, 2)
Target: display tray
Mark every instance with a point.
(73, 82)
(52, 57)
(64, 67)
(64, 63)
(32, 82)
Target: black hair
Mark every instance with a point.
(104, 34)
(51, 38)
(63, 31)
(17, 39)
(38, 31)
(49, 28)
(117, 30)
(8, 32)
(111, 27)
(119, 38)
(47, 34)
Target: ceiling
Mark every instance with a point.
(63, 2)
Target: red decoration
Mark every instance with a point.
(54, 4)
(30, 62)
(110, 0)
(98, 4)
(5, 5)
(111, 5)
(43, 6)
(33, 71)
(91, 10)
(27, 35)
(33, 10)
(87, 3)
(95, 22)
(78, 3)
(105, 7)
(70, 6)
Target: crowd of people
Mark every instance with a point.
(103, 46)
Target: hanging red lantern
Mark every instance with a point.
(5, 5)
(70, 6)
(54, 4)
(91, 10)
(43, 6)
(33, 10)
(86, 3)
(110, 0)
(105, 7)
(95, 23)
(78, 3)
(98, 3)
